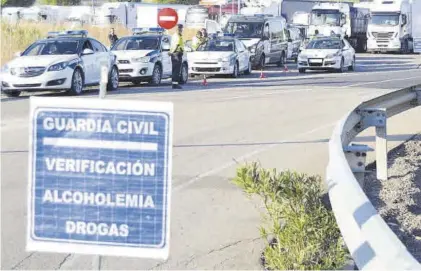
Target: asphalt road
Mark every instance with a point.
(283, 121)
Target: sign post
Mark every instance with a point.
(100, 177)
(167, 18)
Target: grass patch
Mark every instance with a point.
(305, 233)
(17, 37)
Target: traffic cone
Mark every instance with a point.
(285, 68)
(204, 83)
(262, 75)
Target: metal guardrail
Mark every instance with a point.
(370, 241)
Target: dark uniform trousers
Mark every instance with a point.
(176, 60)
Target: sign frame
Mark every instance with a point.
(92, 247)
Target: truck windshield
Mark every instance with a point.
(245, 29)
(385, 19)
(325, 17)
(196, 15)
(136, 43)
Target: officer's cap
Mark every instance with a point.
(180, 26)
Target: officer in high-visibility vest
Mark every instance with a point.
(176, 52)
(197, 40)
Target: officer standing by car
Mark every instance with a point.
(176, 52)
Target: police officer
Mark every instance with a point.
(197, 40)
(176, 52)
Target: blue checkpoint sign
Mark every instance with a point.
(100, 177)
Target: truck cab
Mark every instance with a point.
(326, 18)
(389, 28)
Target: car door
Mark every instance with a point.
(89, 63)
(166, 59)
(102, 57)
(241, 52)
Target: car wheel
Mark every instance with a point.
(12, 93)
(113, 80)
(352, 67)
(184, 74)
(301, 70)
(248, 71)
(235, 72)
(156, 76)
(341, 68)
(77, 83)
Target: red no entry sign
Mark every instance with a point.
(167, 18)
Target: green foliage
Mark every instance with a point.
(182, 2)
(306, 234)
(60, 2)
(17, 3)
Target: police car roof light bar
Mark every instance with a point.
(52, 34)
(74, 33)
(140, 30)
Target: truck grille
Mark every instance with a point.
(383, 36)
(27, 71)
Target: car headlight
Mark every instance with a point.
(58, 67)
(143, 59)
(334, 55)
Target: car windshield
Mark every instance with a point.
(137, 43)
(324, 44)
(217, 45)
(53, 47)
(325, 17)
(245, 29)
(385, 19)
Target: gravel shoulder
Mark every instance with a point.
(398, 200)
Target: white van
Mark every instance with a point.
(264, 36)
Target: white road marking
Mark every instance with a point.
(378, 82)
(243, 157)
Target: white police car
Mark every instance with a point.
(143, 57)
(68, 60)
(327, 53)
(225, 55)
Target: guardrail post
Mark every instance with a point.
(356, 155)
(377, 117)
(104, 81)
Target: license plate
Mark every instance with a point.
(315, 60)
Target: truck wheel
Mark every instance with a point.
(12, 93)
(113, 79)
(77, 83)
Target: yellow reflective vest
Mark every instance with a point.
(177, 44)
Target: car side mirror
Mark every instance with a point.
(165, 47)
(87, 52)
(17, 54)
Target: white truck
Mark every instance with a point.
(390, 26)
(340, 19)
(416, 26)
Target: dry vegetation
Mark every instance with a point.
(17, 37)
